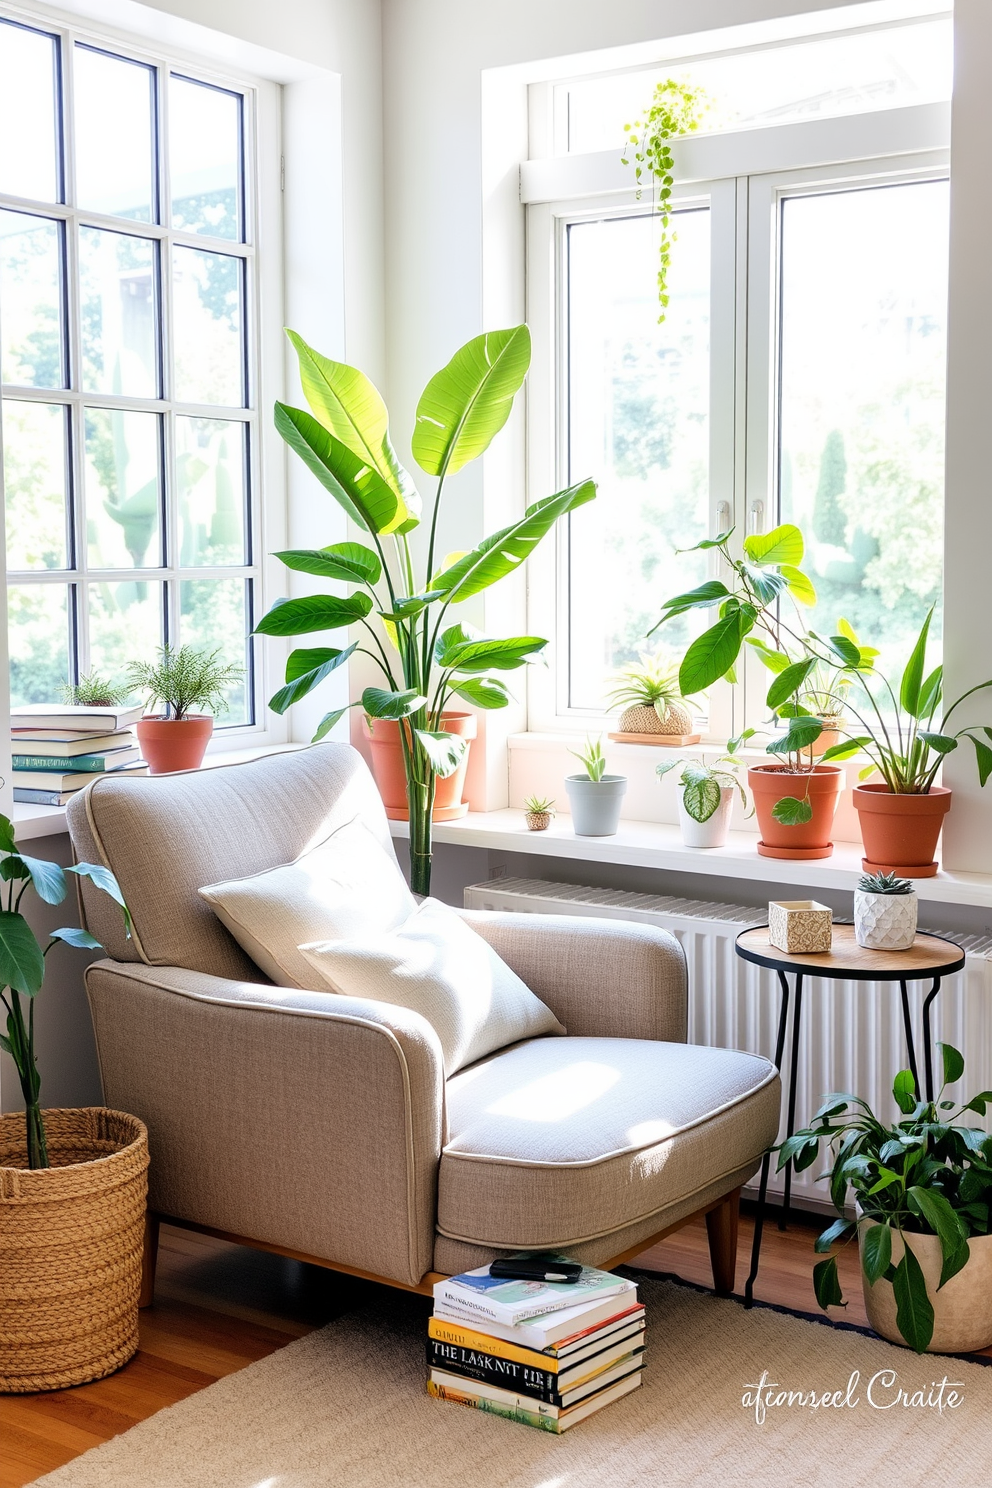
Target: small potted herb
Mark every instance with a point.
(923, 1188)
(540, 812)
(595, 797)
(182, 679)
(884, 912)
(648, 692)
(94, 691)
(706, 798)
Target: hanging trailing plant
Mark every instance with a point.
(675, 109)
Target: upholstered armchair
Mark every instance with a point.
(322, 1126)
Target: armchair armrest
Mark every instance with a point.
(303, 1119)
(601, 978)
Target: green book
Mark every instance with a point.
(93, 762)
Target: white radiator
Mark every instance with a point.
(852, 1034)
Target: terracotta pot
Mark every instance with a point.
(822, 786)
(900, 832)
(830, 736)
(390, 774)
(170, 744)
(962, 1308)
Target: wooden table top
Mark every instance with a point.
(930, 955)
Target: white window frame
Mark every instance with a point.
(262, 254)
(743, 177)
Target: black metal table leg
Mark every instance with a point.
(908, 1030)
(797, 1018)
(927, 1047)
(759, 1218)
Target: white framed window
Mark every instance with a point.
(132, 374)
(798, 374)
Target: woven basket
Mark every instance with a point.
(71, 1239)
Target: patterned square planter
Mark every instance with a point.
(885, 922)
(800, 926)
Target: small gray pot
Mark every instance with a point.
(595, 804)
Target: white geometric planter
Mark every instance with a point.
(884, 922)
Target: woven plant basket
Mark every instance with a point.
(71, 1239)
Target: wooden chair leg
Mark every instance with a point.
(149, 1257)
(721, 1230)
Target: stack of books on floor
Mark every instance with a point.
(58, 748)
(544, 1354)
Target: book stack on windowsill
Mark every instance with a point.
(544, 1354)
(58, 748)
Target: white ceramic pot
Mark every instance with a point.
(595, 804)
(962, 1309)
(713, 831)
(884, 922)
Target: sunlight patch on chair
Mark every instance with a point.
(555, 1096)
(267, 1483)
(649, 1131)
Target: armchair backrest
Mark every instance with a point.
(165, 836)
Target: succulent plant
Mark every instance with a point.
(648, 692)
(593, 758)
(884, 883)
(540, 812)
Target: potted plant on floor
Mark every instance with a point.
(923, 1188)
(654, 710)
(706, 798)
(594, 796)
(182, 679)
(72, 1183)
(425, 656)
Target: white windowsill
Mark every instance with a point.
(641, 844)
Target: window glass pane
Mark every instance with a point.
(34, 475)
(205, 158)
(119, 314)
(211, 479)
(123, 501)
(638, 423)
(125, 624)
(31, 301)
(28, 149)
(864, 291)
(114, 102)
(207, 311)
(828, 77)
(214, 615)
(38, 638)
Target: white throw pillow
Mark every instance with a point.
(346, 886)
(439, 967)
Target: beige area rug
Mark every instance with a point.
(346, 1407)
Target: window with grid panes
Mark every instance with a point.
(128, 372)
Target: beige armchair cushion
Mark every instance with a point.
(558, 1141)
(347, 886)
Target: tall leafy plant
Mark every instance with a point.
(22, 963)
(400, 606)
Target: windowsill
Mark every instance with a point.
(642, 844)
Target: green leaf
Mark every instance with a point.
(304, 682)
(710, 593)
(328, 721)
(845, 749)
(483, 692)
(380, 703)
(351, 562)
(954, 1263)
(946, 1225)
(876, 1251)
(849, 653)
(782, 545)
(701, 798)
(801, 733)
(983, 756)
(444, 751)
(102, 878)
(350, 407)
(7, 842)
(22, 966)
(930, 692)
(826, 1284)
(465, 405)
(289, 617)
(368, 499)
(504, 551)
(775, 661)
(953, 1062)
(836, 1231)
(792, 812)
(789, 681)
(800, 586)
(914, 1312)
(712, 653)
(912, 677)
(767, 584)
(484, 655)
(939, 743)
(48, 879)
(708, 542)
(904, 1092)
(81, 939)
(13, 867)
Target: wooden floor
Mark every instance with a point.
(219, 1307)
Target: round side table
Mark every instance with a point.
(931, 957)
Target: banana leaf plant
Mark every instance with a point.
(22, 963)
(401, 608)
(902, 728)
